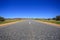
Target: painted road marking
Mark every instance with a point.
(29, 22)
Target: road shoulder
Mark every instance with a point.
(53, 24)
(10, 23)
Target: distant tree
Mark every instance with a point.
(53, 18)
(49, 19)
(58, 18)
(2, 18)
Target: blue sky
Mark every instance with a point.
(29, 8)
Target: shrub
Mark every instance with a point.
(58, 18)
(53, 18)
(2, 18)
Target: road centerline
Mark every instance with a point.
(29, 22)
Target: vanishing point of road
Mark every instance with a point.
(29, 30)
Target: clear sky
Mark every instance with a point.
(29, 8)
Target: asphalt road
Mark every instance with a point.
(29, 30)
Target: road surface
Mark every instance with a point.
(29, 30)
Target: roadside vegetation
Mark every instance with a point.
(4, 20)
(55, 20)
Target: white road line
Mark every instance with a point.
(29, 22)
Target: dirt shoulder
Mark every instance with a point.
(10, 23)
(48, 23)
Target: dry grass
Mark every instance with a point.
(51, 21)
(8, 21)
